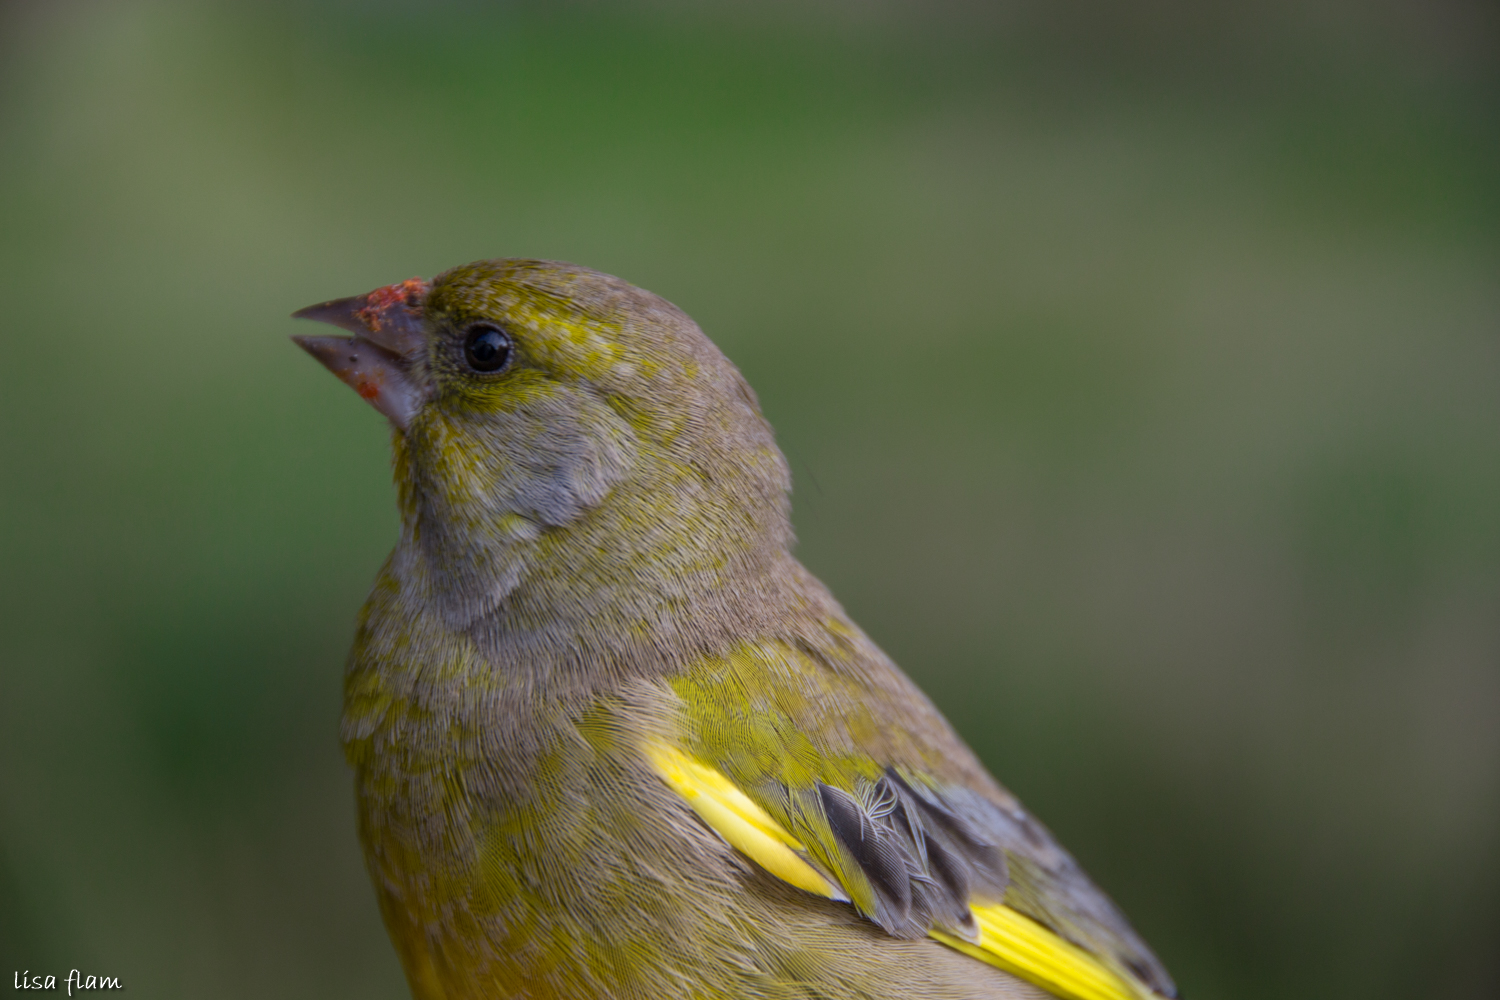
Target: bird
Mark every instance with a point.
(609, 738)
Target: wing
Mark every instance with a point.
(829, 769)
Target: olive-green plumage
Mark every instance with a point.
(594, 559)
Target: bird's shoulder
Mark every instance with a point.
(871, 785)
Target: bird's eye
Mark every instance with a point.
(487, 348)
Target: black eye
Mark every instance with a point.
(487, 348)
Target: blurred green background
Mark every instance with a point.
(1139, 367)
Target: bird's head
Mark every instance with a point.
(557, 430)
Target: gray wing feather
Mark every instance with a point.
(929, 852)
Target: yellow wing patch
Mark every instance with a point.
(1007, 939)
(744, 825)
(1014, 942)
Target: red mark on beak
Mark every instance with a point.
(408, 293)
(367, 391)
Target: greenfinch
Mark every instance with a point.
(609, 738)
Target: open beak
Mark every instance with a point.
(376, 361)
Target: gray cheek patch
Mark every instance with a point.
(526, 472)
(574, 453)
